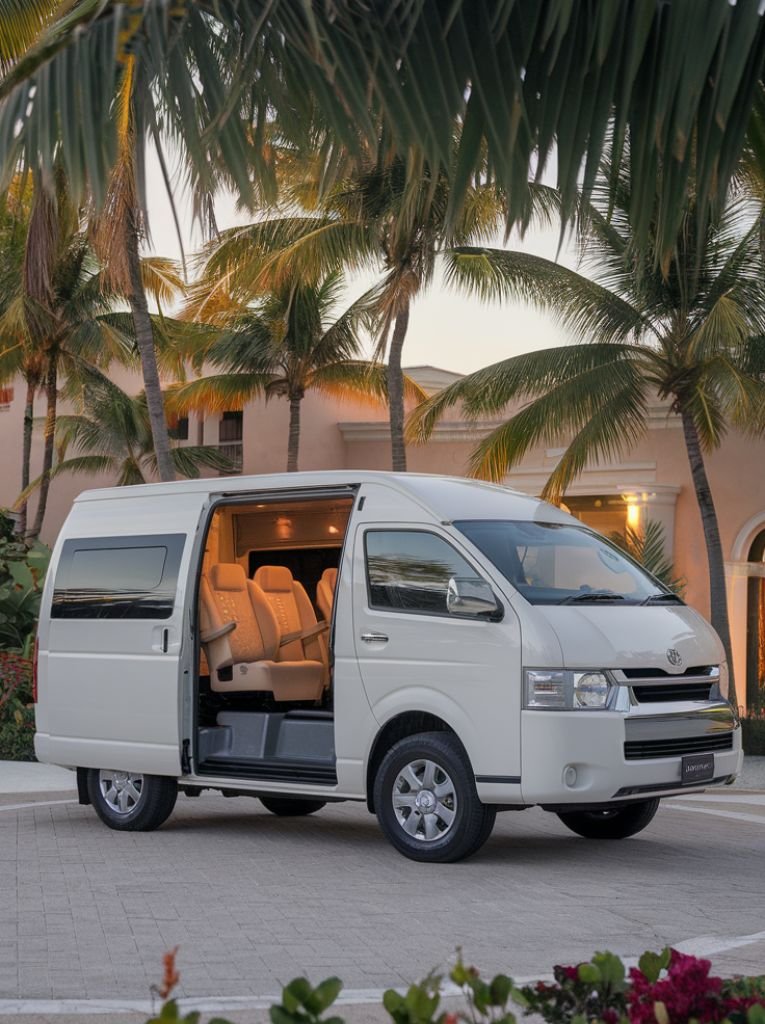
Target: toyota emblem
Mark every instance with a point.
(674, 657)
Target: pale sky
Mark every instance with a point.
(446, 329)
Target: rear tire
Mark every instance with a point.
(130, 801)
(426, 800)
(616, 823)
(286, 808)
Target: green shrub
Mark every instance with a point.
(22, 573)
(17, 717)
(665, 988)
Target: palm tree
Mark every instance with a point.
(118, 231)
(692, 331)
(112, 434)
(60, 318)
(18, 358)
(289, 342)
(522, 78)
(58, 313)
(379, 220)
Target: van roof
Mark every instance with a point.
(449, 497)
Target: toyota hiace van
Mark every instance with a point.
(439, 648)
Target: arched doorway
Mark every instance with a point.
(755, 625)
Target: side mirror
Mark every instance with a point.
(473, 598)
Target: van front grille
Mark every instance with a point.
(638, 750)
(665, 692)
(655, 686)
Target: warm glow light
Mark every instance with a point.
(332, 529)
(633, 516)
(283, 528)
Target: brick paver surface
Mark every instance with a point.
(253, 900)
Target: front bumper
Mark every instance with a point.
(593, 745)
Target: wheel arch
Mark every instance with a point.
(398, 727)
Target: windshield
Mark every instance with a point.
(554, 563)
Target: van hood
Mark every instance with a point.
(609, 636)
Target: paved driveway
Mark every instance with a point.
(252, 900)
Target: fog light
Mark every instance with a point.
(569, 775)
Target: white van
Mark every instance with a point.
(440, 648)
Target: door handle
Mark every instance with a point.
(374, 638)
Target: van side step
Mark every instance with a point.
(275, 746)
(271, 771)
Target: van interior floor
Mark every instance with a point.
(276, 746)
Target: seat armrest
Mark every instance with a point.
(216, 634)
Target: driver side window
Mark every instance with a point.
(409, 570)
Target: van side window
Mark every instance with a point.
(409, 570)
(118, 577)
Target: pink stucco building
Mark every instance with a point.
(651, 481)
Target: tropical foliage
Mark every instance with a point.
(59, 311)
(373, 220)
(112, 436)
(648, 547)
(291, 340)
(669, 987)
(22, 573)
(522, 76)
(691, 333)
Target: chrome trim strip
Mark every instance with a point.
(698, 720)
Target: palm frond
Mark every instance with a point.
(587, 309)
(189, 460)
(647, 546)
(90, 465)
(575, 406)
(359, 381)
(216, 393)
(521, 77)
(162, 279)
(488, 391)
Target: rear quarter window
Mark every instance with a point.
(118, 577)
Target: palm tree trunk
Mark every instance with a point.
(396, 391)
(26, 451)
(718, 598)
(145, 340)
(293, 443)
(51, 399)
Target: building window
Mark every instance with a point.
(178, 427)
(6, 397)
(230, 442)
(609, 514)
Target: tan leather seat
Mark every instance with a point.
(240, 632)
(295, 615)
(325, 593)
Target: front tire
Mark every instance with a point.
(613, 823)
(286, 808)
(426, 800)
(130, 801)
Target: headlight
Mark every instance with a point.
(590, 689)
(563, 690)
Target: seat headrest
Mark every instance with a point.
(329, 576)
(274, 578)
(227, 576)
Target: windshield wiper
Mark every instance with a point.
(592, 596)
(661, 598)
